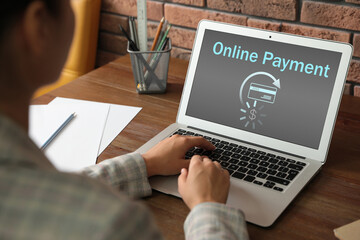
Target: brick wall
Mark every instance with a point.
(337, 20)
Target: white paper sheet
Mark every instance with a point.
(119, 117)
(87, 135)
(78, 143)
(37, 130)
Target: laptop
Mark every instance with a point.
(268, 101)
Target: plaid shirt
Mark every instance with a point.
(38, 202)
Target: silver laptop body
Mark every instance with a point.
(272, 93)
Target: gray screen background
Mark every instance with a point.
(299, 111)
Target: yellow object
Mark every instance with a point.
(350, 231)
(82, 54)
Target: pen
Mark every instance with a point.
(132, 44)
(67, 121)
(133, 47)
(157, 34)
(133, 31)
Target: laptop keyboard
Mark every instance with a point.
(249, 164)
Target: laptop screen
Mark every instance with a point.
(274, 89)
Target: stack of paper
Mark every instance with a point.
(85, 137)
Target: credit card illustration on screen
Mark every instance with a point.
(262, 93)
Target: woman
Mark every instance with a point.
(38, 202)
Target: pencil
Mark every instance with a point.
(67, 121)
(157, 34)
(164, 37)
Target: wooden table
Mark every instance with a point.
(331, 200)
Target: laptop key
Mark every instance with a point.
(234, 161)
(269, 184)
(283, 163)
(238, 175)
(255, 155)
(243, 163)
(262, 175)
(293, 172)
(278, 180)
(245, 158)
(252, 172)
(261, 152)
(261, 169)
(291, 177)
(218, 150)
(237, 150)
(224, 164)
(264, 158)
(234, 145)
(249, 178)
(273, 160)
(233, 167)
(258, 182)
(225, 158)
(227, 153)
(219, 145)
(255, 161)
(273, 166)
(242, 169)
(281, 158)
(281, 175)
(236, 155)
(271, 172)
(290, 160)
(301, 164)
(246, 153)
(283, 169)
(278, 189)
(264, 164)
(230, 171)
(252, 166)
(270, 155)
(228, 148)
(294, 166)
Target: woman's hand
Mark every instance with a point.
(205, 181)
(168, 156)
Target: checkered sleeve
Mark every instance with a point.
(215, 221)
(126, 172)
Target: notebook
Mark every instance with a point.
(268, 101)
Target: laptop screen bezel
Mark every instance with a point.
(316, 154)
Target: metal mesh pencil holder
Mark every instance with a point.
(150, 69)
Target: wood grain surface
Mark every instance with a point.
(332, 198)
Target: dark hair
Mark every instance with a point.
(11, 9)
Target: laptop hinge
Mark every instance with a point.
(257, 145)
